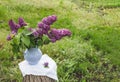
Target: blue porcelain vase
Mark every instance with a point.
(32, 55)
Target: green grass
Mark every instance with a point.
(90, 55)
(105, 39)
(99, 3)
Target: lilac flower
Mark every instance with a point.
(53, 18)
(13, 32)
(35, 33)
(53, 40)
(40, 25)
(30, 29)
(13, 26)
(64, 32)
(54, 35)
(49, 20)
(9, 37)
(46, 64)
(43, 33)
(45, 21)
(57, 34)
(39, 30)
(21, 22)
(46, 28)
(17, 26)
(43, 27)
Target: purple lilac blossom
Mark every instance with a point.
(54, 35)
(43, 27)
(9, 37)
(35, 33)
(13, 32)
(53, 40)
(39, 30)
(46, 64)
(40, 25)
(30, 29)
(65, 32)
(49, 20)
(13, 26)
(57, 34)
(22, 22)
(17, 26)
(46, 28)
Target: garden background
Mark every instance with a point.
(91, 54)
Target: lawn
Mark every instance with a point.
(91, 54)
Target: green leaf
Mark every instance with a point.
(20, 30)
(26, 40)
(26, 26)
(16, 40)
(29, 33)
(15, 48)
(40, 42)
(45, 39)
(26, 32)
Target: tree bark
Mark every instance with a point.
(34, 78)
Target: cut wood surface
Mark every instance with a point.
(34, 78)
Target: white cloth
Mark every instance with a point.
(39, 68)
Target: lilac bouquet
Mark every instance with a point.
(22, 36)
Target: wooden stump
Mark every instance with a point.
(34, 78)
